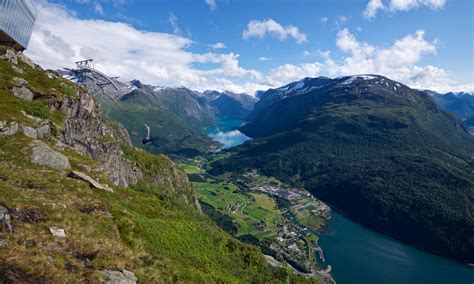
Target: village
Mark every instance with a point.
(282, 220)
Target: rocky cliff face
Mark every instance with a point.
(73, 120)
(85, 131)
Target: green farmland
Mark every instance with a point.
(255, 214)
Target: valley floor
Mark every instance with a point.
(282, 220)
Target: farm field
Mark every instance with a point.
(255, 214)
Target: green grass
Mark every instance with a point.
(261, 207)
(150, 228)
(190, 169)
(47, 90)
(261, 178)
(218, 195)
(157, 236)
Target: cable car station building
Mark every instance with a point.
(17, 18)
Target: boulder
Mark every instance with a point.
(23, 93)
(43, 132)
(18, 82)
(43, 155)
(35, 119)
(18, 69)
(8, 130)
(5, 219)
(28, 61)
(29, 131)
(10, 56)
(119, 277)
(57, 232)
(91, 181)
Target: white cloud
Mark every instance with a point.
(173, 20)
(399, 62)
(317, 52)
(289, 72)
(156, 58)
(372, 7)
(263, 58)
(118, 49)
(399, 5)
(324, 20)
(212, 4)
(260, 29)
(218, 45)
(405, 5)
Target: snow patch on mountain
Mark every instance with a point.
(352, 79)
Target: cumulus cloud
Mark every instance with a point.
(218, 45)
(398, 62)
(399, 5)
(288, 72)
(118, 49)
(372, 7)
(260, 29)
(263, 58)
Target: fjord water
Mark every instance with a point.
(225, 131)
(359, 255)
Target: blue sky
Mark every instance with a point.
(245, 45)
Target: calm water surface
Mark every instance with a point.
(359, 255)
(225, 131)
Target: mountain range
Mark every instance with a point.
(177, 116)
(462, 104)
(376, 150)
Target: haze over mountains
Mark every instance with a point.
(382, 153)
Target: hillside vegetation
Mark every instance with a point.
(145, 225)
(169, 134)
(376, 150)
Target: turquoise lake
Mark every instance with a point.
(225, 131)
(359, 255)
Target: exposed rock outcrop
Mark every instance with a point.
(5, 219)
(119, 277)
(8, 129)
(43, 155)
(23, 93)
(86, 132)
(91, 181)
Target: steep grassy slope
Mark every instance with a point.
(387, 157)
(152, 228)
(147, 228)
